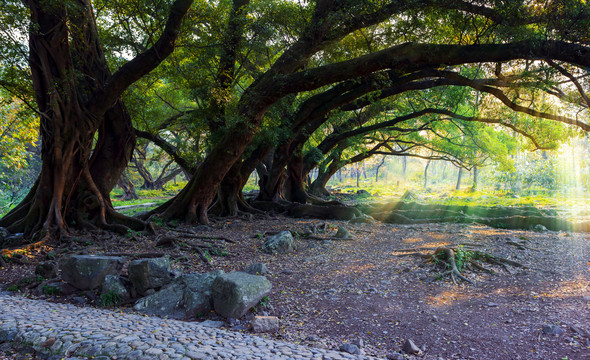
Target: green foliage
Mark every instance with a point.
(264, 301)
(13, 288)
(7, 259)
(218, 252)
(110, 299)
(50, 290)
(158, 221)
(262, 304)
(132, 234)
(462, 257)
(207, 255)
(529, 173)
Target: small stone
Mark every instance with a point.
(280, 243)
(79, 300)
(265, 324)
(49, 342)
(312, 338)
(395, 356)
(539, 228)
(350, 348)
(343, 233)
(363, 219)
(256, 269)
(410, 348)
(358, 342)
(552, 330)
(212, 324)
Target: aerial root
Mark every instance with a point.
(453, 261)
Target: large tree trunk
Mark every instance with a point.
(116, 141)
(193, 202)
(294, 187)
(77, 97)
(459, 177)
(67, 129)
(318, 186)
(426, 173)
(128, 187)
(379, 167)
(273, 183)
(475, 178)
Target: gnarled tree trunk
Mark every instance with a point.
(77, 98)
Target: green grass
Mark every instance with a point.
(570, 204)
(110, 299)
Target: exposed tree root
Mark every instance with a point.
(138, 255)
(205, 248)
(453, 261)
(315, 200)
(192, 235)
(314, 237)
(28, 247)
(324, 212)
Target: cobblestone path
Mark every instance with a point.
(83, 332)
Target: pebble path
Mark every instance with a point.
(73, 332)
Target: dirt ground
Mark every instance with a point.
(328, 292)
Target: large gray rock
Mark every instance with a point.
(186, 297)
(114, 284)
(281, 243)
(265, 324)
(147, 274)
(87, 272)
(236, 292)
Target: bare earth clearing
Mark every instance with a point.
(330, 292)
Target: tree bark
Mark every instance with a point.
(426, 173)
(77, 97)
(128, 188)
(475, 178)
(379, 167)
(459, 176)
(318, 186)
(294, 188)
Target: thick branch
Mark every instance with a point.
(146, 61)
(414, 57)
(168, 148)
